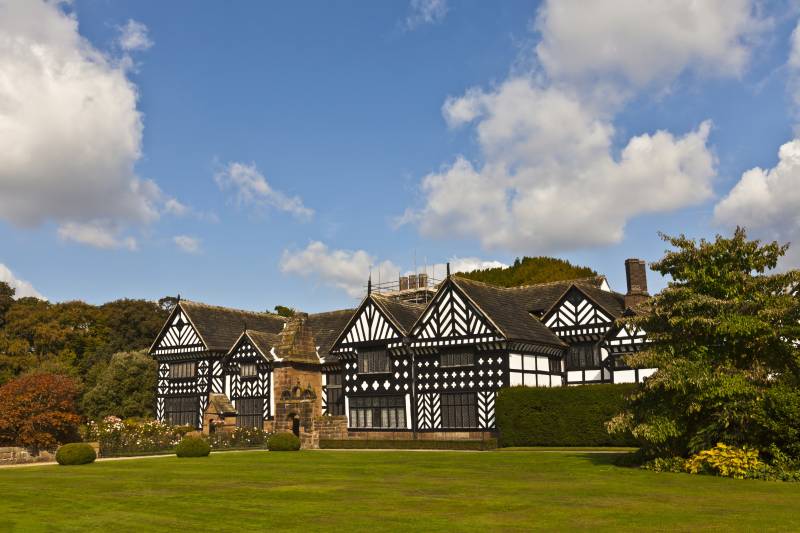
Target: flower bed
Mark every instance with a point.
(131, 437)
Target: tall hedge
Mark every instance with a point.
(563, 416)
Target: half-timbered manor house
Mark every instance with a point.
(396, 364)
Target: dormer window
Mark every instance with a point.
(182, 370)
(248, 370)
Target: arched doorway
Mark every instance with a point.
(295, 424)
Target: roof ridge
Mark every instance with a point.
(332, 312)
(542, 284)
(399, 302)
(223, 308)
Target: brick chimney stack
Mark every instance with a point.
(636, 276)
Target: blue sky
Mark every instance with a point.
(251, 154)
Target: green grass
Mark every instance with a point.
(384, 491)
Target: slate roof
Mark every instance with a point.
(264, 342)
(506, 308)
(327, 326)
(220, 327)
(404, 314)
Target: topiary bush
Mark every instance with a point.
(283, 442)
(562, 416)
(192, 447)
(77, 453)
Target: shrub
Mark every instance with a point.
(727, 461)
(77, 453)
(192, 447)
(563, 416)
(283, 442)
(673, 464)
(386, 444)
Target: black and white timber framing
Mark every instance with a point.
(393, 365)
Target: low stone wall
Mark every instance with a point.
(15, 455)
(331, 427)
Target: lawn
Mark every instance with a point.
(384, 491)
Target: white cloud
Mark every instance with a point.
(23, 288)
(251, 188)
(133, 36)
(426, 12)
(643, 41)
(548, 180)
(98, 234)
(70, 131)
(344, 269)
(174, 207)
(186, 243)
(767, 201)
(349, 269)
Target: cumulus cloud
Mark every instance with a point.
(190, 245)
(643, 42)
(134, 36)
(425, 12)
(548, 176)
(344, 269)
(349, 270)
(70, 131)
(548, 180)
(23, 288)
(251, 188)
(767, 201)
(98, 234)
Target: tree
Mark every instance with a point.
(530, 270)
(39, 411)
(282, 310)
(124, 388)
(724, 336)
(6, 300)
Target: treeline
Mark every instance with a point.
(529, 271)
(101, 348)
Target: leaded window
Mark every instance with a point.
(459, 410)
(378, 412)
(449, 359)
(373, 361)
(334, 398)
(182, 411)
(249, 413)
(182, 370)
(248, 370)
(583, 355)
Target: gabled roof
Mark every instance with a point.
(263, 342)
(507, 310)
(402, 314)
(327, 326)
(220, 327)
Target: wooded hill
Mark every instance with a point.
(529, 271)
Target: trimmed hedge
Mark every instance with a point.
(382, 444)
(77, 453)
(562, 416)
(192, 447)
(283, 442)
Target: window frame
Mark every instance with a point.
(187, 410)
(453, 354)
(461, 413)
(181, 367)
(254, 417)
(378, 412)
(365, 357)
(582, 361)
(248, 365)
